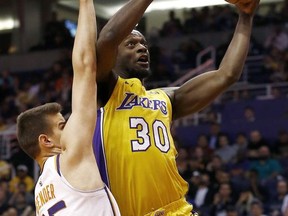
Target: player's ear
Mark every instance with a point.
(45, 141)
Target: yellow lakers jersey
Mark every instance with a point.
(135, 151)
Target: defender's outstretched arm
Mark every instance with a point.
(78, 132)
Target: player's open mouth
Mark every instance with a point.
(143, 60)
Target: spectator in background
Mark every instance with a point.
(215, 132)
(21, 176)
(222, 199)
(54, 73)
(275, 66)
(235, 96)
(26, 95)
(5, 170)
(225, 150)
(199, 155)
(172, 27)
(207, 21)
(21, 189)
(281, 144)
(185, 56)
(256, 209)
(246, 95)
(267, 167)
(277, 39)
(255, 142)
(194, 183)
(202, 142)
(22, 201)
(276, 93)
(258, 190)
(240, 145)
(238, 174)
(284, 207)
(213, 166)
(11, 211)
(196, 164)
(23, 208)
(210, 116)
(222, 176)
(4, 198)
(63, 87)
(226, 19)
(277, 200)
(232, 211)
(249, 114)
(193, 22)
(243, 95)
(201, 196)
(244, 201)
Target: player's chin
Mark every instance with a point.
(143, 65)
(143, 72)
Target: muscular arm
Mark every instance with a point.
(117, 28)
(200, 91)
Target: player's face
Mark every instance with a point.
(58, 124)
(133, 56)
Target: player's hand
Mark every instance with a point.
(246, 6)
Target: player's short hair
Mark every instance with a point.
(32, 123)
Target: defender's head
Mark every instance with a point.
(39, 129)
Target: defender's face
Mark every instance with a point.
(58, 123)
(133, 56)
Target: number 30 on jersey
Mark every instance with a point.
(143, 141)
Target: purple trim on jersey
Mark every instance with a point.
(111, 203)
(58, 164)
(98, 147)
(57, 207)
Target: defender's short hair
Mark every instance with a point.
(32, 123)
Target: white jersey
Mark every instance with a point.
(55, 196)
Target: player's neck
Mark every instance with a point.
(41, 162)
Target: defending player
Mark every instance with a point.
(139, 154)
(70, 183)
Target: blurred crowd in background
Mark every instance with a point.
(243, 174)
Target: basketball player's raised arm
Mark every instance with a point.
(114, 32)
(200, 91)
(78, 132)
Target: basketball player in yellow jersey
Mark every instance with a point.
(138, 122)
(138, 153)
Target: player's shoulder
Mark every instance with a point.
(170, 92)
(169, 89)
